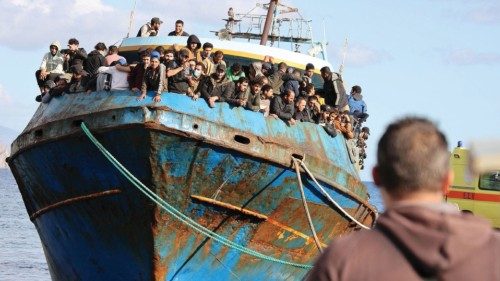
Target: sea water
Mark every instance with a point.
(21, 254)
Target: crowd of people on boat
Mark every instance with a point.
(274, 89)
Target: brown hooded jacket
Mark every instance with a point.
(415, 242)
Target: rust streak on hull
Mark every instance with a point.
(230, 207)
(254, 214)
(71, 201)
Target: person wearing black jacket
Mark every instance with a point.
(302, 113)
(333, 89)
(95, 59)
(282, 107)
(73, 54)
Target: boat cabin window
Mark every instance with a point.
(490, 181)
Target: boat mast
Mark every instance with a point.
(269, 21)
(131, 19)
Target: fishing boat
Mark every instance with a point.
(121, 189)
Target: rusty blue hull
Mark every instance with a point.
(207, 163)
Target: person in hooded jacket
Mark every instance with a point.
(418, 237)
(194, 45)
(50, 68)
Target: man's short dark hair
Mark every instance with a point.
(288, 93)
(309, 88)
(100, 46)
(242, 80)
(218, 53)
(201, 64)
(300, 99)
(412, 156)
(282, 65)
(73, 41)
(312, 98)
(207, 45)
(325, 69)
(236, 67)
(266, 88)
(113, 49)
(145, 53)
(356, 89)
(258, 80)
(179, 21)
(183, 53)
(160, 49)
(309, 66)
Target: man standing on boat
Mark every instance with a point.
(333, 89)
(418, 237)
(179, 29)
(151, 28)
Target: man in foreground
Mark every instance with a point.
(418, 237)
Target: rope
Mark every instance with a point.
(176, 213)
(304, 203)
(330, 199)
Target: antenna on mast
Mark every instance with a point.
(131, 19)
(324, 42)
(344, 54)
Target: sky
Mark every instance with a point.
(434, 58)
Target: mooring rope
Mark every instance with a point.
(176, 213)
(304, 203)
(330, 199)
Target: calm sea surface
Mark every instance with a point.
(21, 254)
